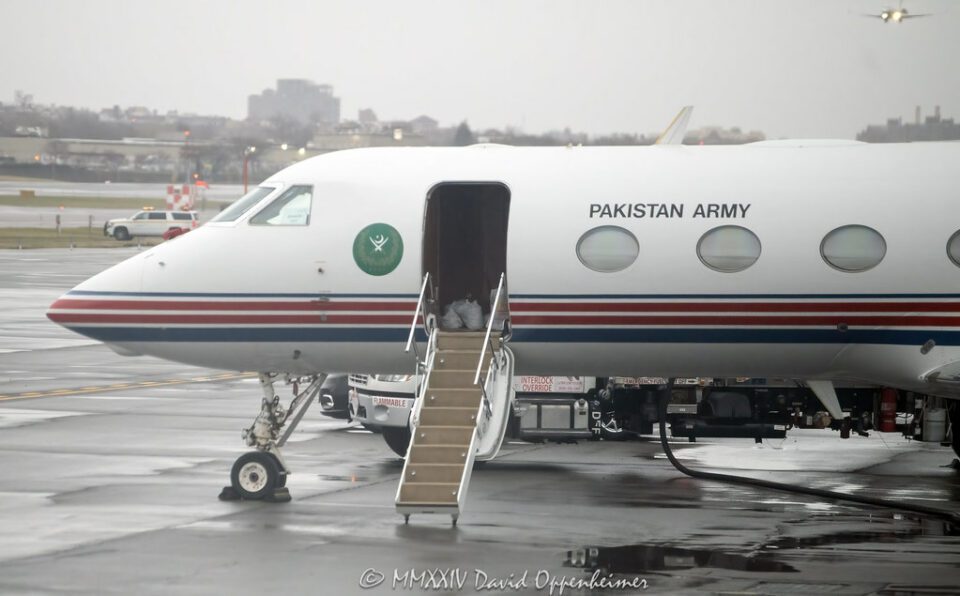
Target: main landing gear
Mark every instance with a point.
(262, 474)
(953, 410)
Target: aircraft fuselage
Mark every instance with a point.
(323, 297)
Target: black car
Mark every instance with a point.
(334, 396)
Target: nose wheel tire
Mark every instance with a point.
(255, 475)
(282, 478)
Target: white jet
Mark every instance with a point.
(812, 260)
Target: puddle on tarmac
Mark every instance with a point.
(892, 529)
(642, 558)
(335, 478)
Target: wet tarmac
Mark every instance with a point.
(113, 491)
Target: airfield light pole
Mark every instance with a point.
(185, 155)
(246, 164)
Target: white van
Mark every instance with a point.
(150, 223)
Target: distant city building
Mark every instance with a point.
(931, 128)
(31, 131)
(367, 116)
(296, 99)
(323, 143)
(424, 125)
(135, 113)
(716, 135)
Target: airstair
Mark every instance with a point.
(461, 412)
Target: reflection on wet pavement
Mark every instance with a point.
(342, 478)
(642, 558)
(895, 528)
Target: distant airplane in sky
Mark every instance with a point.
(896, 15)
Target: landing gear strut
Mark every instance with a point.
(262, 474)
(954, 412)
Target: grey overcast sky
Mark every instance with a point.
(800, 68)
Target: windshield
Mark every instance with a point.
(243, 204)
(291, 208)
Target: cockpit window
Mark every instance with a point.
(243, 204)
(292, 208)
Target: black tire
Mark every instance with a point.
(282, 478)
(255, 475)
(397, 438)
(121, 233)
(610, 429)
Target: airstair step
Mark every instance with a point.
(459, 360)
(444, 435)
(453, 398)
(437, 454)
(452, 379)
(429, 493)
(460, 340)
(434, 473)
(443, 416)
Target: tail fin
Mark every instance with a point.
(674, 133)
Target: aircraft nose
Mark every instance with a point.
(99, 302)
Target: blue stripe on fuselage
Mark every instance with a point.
(525, 335)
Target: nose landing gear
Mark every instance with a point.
(262, 474)
(256, 475)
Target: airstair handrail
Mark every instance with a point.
(486, 339)
(420, 310)
(422, 377)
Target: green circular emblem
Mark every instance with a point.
(378, 249)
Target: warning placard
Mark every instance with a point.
(549, 384)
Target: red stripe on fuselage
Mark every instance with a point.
(187, 319)
(735, 307)
(175, 305)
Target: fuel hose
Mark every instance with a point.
(951, 516)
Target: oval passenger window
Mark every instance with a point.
(853, 248)
(729, 249)
(607, 249)
(953, 248)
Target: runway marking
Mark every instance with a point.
(119, 386)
